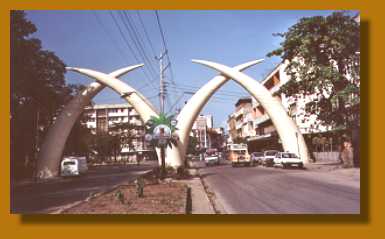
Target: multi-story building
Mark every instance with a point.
(266, 135)
(251, 123)
(216, 138)
(208, 136)
(104, 119)
(200, 128)
(240, 123)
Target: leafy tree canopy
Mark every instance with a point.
(38, 89)
(323, 60)
(37, 75)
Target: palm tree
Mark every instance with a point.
(153, 123)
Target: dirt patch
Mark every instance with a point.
(159, 198)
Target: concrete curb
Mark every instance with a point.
(200, 202)
(188, 206)
(216, 204)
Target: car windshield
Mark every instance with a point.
(69, 163)
(242, 152)
(271, 153)
(288, 155)
(211, 153)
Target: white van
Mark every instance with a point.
(73, 166)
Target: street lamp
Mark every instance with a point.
(296, 135)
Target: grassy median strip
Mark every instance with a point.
(159, 197)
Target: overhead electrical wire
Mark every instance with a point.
(106, 33)
(147, 77)
(146, 33)
(136, 39)
(166, 50)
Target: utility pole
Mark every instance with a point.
(162, 85)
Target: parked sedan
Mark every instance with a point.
(212, 157)
(257, 158)
(286, 159)
(268, 158)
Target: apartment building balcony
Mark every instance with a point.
(136, 122)
(260, 136)
(239, 125)
(133, 113)
(117, 114)
(260, 120)
(238, 113)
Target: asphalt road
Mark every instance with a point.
(259, 190)
(47, 196)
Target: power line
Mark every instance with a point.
(133, 33)
(116, 45)
(146, 33)
(139, 40)
(147, 77)
(104, 28)
(161, 30)
(224, 93)
(164, 44)
(227, 91)
(218, 96)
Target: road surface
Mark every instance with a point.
(48, 196)
(259, 190)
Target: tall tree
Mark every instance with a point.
(323, 56)
(323, 61)
(38, 89)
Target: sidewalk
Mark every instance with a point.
(336, 172)
(326, 166)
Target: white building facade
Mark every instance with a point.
(101, 119)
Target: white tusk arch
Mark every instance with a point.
(291, 137)
(133, 97)
(125, 91)
(194, 105)
(54, 142)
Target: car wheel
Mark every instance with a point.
(300, 165)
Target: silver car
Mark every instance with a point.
(257, 158)
(268, 158)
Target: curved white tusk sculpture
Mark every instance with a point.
(54, 142)
(133, 97)
(125, 91)
(53, 146)
(291, 137)
(192, 109)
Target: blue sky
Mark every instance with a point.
(91, 39)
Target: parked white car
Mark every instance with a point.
(212, 157)
(257, 158)
(268, 158)
(73, 166)
(286, 159)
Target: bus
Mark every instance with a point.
(238, 154)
